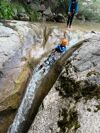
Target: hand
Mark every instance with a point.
(69, 13)
(76, 14)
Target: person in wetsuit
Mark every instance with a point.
(72, 10)
(55, 54)
(61, 48)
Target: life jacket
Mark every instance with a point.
(60, 49)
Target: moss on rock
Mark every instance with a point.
(69, 123)
(70, 87)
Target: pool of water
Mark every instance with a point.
(77, 25)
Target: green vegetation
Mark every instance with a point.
(17, 8)
(90, 11)
(33, 14)
(11, 10)
(6, 10)
(14, 10)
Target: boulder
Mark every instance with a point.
(17, 41)
(23, 17)
(80, 81)
(56, 17)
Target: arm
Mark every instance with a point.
(62, 49)
(57, 47)
(69, 6)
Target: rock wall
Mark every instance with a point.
(73, 104)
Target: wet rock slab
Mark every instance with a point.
(81, 81)
(73, 104)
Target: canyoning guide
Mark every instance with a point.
(72, 11)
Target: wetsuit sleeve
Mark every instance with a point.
(76, 8)
(60, 49)
(69, 6)
(63, 49)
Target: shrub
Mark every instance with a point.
(90, 11)
(6, 11)
(34, 16)
(17, 8)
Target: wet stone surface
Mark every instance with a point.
(73, 103)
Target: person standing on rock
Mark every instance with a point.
(72, 10)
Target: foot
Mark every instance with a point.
(70, 27)
(67, 26)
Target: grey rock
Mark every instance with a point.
(74, 105)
